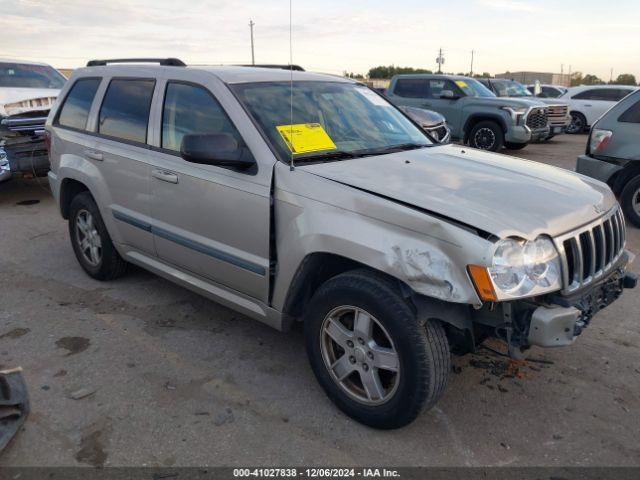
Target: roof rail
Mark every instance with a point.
(171, 62)
(297, 68)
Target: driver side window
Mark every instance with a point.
(191, 109)
(437, 86)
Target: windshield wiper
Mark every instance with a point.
(326, 156)
(402, 147)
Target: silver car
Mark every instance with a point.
(293, 196)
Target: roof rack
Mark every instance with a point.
(171, 62)
(297, 68)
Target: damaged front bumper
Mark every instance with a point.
(22, 145)
(553, 320)
(5, 167)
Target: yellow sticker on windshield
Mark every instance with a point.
(305, 137)
(461, 83)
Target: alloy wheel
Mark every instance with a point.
(88, 238)
(484, 138)
(577, 124)
(360, 355)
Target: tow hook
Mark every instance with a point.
(630, 280)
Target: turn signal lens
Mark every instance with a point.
(482, 282)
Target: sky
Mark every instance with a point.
(333, 36)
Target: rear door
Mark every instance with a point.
(123, 157)
(209, 220)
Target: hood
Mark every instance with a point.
(19, 100)
(553, 101)
(426, 118)
(502, 195)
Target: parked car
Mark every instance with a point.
(547, 91)
(312, 198)
(557, 112)
(27, 92)
(613, 153)
(431, 122)
(474, 114)
(588, 102)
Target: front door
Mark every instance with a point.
(208, 220)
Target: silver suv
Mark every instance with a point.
(293, 196)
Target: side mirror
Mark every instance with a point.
(448, 94)
(220, 149)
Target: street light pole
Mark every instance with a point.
(253, 59)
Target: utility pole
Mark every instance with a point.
(253, 58)
(440, 60)
(611, 76)
(471, 71)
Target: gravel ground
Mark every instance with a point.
(168, 378)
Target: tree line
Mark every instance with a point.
(577, 78)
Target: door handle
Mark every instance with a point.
(165, 176)
(91, 155)
(588, 105)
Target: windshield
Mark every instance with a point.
(331, 119)
(19, 75)
(473, 88)
(510, 88)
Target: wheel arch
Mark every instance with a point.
(476, 118)
(314, 270)
(69, 189)
(620, 178)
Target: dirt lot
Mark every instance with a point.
(174, 379)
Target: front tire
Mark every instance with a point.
(373, 358)
(486, 135)
(91, 242)
(515, 146)
(630, 200)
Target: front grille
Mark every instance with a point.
(590, 252)
(537, 118)
(557, 114)
(438, 132)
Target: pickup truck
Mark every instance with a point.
(474, 113)
(28, 90)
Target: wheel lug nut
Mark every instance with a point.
(352, 359)
(360, 341)
(349, 344)
(370, 355)
(365, 367)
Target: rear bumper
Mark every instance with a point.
(28, 155)
(595, 168)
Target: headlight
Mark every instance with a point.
(520, 269)
(516, 113)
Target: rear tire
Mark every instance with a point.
(422, 358)
(630, 200)
(91, 242)
(486, 135)
(578, 124)
(515, 146)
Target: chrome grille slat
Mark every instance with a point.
(592, 248)
(589, 252)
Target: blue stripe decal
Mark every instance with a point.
(131, 221)
(193, 245)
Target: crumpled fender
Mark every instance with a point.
(428, 254)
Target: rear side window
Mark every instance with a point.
(75, 111)
(606, 94)
(412, 88)
(632, 114)
(190, 109)
(125, 109)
